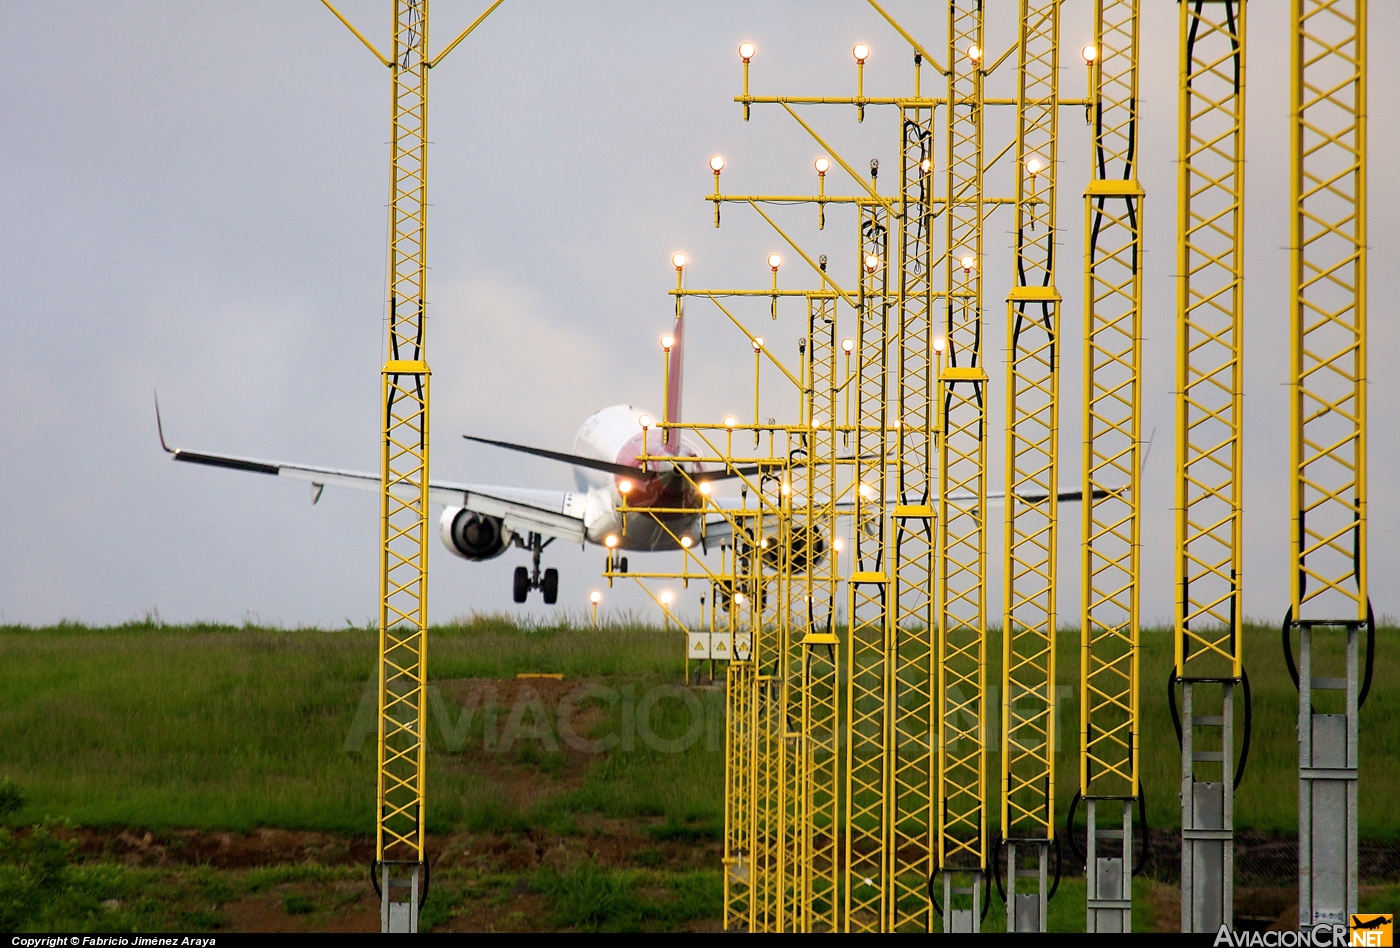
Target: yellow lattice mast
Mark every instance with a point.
(1209, 406)
(400, 871)
(912, 821)
(1032, 477)
(1328, 342)
(961, 608)
(867, 800)
(1113, 235)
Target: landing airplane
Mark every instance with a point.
(480, 521)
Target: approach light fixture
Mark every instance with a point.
(839, 544)
(705, 488)
(786, 488)
(1034, 166)
(926, 165)
(730, 421)
(611, 541)
(678, 261)
(968, 263)
(686, 542)
(974, 53)
(847, 345)
(667, 597)
(822, 166)
(775, 260)
(938, 344)
(746, 51)
(595, 597)
(644, 421)
(757, 343)
(668, 341)
(624, 487)
(861, 52)
(1090, 54)
(717, 164)
(865, 490)
(738, 599)
(872, 263)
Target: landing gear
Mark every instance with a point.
(528, 579)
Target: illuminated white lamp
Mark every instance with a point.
(839, 544)
(746, 51)
(611, 541)
(624, 487)
(757, 343)
(1090, 53)
(705, 488)
(678, 261)
(686, 542)
(595, 597)
(644, 421)
(666, 597)
(775, 261)
(730, 421)
(939, 343)
(861, 52)
(872, 263)
(866, 491)
(667, 341)
(717, 164)
(822, 166)
(1033, 166)
(974, 53)
(738, 599)
(968, 262)
(847, 345)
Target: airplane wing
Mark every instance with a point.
(547, 512)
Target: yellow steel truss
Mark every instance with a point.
(1113, 233)
(1329, 310)
(1328, 438)
(1032, 466)
(866, 718)
(912, 825)
(1210, 403)
(403, 620)
(962, 495)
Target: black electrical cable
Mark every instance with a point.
(1059, 862)
(1069, 828)
(996, 869)
(427, 880)
(1370, 655)
(931, 897)
(1288, 646)
(1171, 703)
(374, 878)
(1146, 837)
(1248, 726)
(987, 902)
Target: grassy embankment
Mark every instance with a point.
(228, 728)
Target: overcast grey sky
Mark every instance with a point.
(194, 198)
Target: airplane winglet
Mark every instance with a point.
(160, 429)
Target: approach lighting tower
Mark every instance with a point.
(1328, 382)
(400, 870)
(1108, 691)
(1209, 451)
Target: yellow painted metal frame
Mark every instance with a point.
(403, 620)
(1210, 340)
(1113, 234)
(1032, 454)
(1328, 280)
(961, 557)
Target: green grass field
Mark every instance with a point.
(236, 728)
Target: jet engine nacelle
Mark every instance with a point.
(474, 536)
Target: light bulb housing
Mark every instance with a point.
(678, 261)
(822, 165)
(746, 51)
(757, 343)
(644, 421)
(668, 341)
(595, 597)
(847, 345)
(717, 164)
(730, 421)
(610, 541)
(861, 52)
(775, 261)
(1090, 54)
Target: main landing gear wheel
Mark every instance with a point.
(528, 579)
